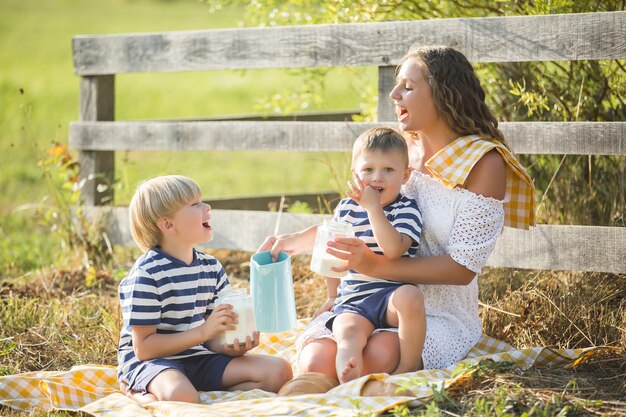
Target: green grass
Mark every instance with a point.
(39, 98)
(225, 174)
(25, 246)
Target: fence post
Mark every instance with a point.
(386, 81)
(97, 168)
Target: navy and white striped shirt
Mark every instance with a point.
(165, 292)
(404, 216)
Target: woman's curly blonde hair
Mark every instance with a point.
(458, 96)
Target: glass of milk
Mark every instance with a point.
(322, 262)
(242, 305)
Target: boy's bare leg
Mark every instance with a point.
(406, 311)
(351, 332)
(256, 372)
(172, 385)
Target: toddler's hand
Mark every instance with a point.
(370, 199)
(222, 318)
(366, 196)
(327, 306)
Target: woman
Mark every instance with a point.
(467, 185)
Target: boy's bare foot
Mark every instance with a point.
(141, 398)
(350, 371)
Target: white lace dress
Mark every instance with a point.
(465, 226)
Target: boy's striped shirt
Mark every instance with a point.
(163, 291)
(404, 216)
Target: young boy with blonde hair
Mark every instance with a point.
(169, 348)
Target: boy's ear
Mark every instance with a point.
(164, 224)
(407, 175)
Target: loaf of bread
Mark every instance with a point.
(308, 383)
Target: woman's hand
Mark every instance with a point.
(327, 306)
(355, 251)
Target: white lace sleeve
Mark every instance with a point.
(478, 224)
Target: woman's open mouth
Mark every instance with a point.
(401, 113)
(206, 225)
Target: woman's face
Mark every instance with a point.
(412, 96)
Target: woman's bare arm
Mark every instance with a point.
(488, 178)
(440, 269)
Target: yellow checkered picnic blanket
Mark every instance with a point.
(453, 164)
(93, 389)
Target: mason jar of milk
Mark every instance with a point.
(322, 262)
(242, 305)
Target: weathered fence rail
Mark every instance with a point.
(572, 138)
(496, 39)
(588, 36)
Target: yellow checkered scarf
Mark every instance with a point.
(452, 164)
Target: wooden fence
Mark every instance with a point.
(589, 36)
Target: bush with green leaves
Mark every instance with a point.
(572, 189)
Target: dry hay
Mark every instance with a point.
(309, 288)
(60, 283)
(54, 321)
(524, 308)
(554, 308)
(68, 322)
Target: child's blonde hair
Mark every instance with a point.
(383, 139)
(157, 198)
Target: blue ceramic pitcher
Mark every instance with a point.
(271, 286)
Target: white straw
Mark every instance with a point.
(280, 211)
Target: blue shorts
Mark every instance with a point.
(373, 307)
(205, 372)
